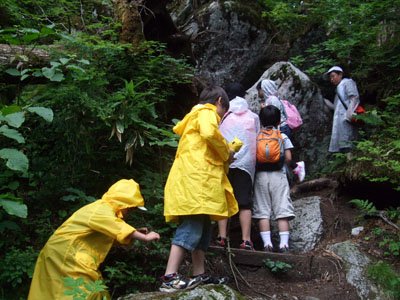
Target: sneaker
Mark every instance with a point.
(246, 245)
(268, 249)
(175, 282)
(208, 279)
(300, 170)
(284, 250)
(221, 242)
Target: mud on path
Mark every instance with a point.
(319, 274)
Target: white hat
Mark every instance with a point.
(142, 208)
(335, 69)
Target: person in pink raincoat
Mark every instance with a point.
(242, 123)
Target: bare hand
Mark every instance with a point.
(152, 236)
(143, 230)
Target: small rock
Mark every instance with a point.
(356, 231)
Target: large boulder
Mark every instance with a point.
(356, 264)
(203, 292)
(312, 139)
(307, 227)
(228, 42)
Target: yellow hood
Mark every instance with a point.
(180, 127)
(125, 193)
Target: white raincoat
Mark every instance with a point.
(240, 122)
(343, 133)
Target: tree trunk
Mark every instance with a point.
(132, 28)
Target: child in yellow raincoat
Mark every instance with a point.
(81, 243)
(198, 190)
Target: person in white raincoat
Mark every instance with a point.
(343, 132)
(81, 243)
(242, 123)
(197, 189)
(268, 93)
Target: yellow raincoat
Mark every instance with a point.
(81, 243)
(197, 182)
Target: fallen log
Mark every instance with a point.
(11, 55)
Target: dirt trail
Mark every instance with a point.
(318, 274)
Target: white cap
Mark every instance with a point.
(142, 208)
(335, 69)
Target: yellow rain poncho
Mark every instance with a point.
(81, 243)
(197, 182)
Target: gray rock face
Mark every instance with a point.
(306, 228)
(356, 264)
(229, 44)
(226, 39)
(312, 139)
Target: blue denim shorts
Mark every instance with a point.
(193, 233)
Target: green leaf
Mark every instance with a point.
(57, 77)
(64, 60)
(12, 134)
(15, 119)
(48, 72)
(75, 67)
(55, 64)
(16, 160)
(13, 72)
(37, 73)
(24, 76)
(84, 61)
(10, 109)
(13, 206)
(46, 113)
(120, 127)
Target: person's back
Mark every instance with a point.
(199, 167)
(197, 189)
(81, 243)
(271, 190)
(240, 122)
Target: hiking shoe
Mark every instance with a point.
(268, 249)
(208, 279)
(284, 250)
(175, 282)
(300, 171)
(221, 242)
(246, 245)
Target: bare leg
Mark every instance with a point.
(198, 258)
(222, 228)
(245, 223)
(176, 256)
(283, 224)
(264, 225)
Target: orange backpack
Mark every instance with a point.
(270, 149)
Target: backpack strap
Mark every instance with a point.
(341, 100)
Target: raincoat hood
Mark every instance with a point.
(125, 193)
(238, 105)
(269, 88)
(180, 127)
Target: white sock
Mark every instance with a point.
(266, 237)
(284, 236)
